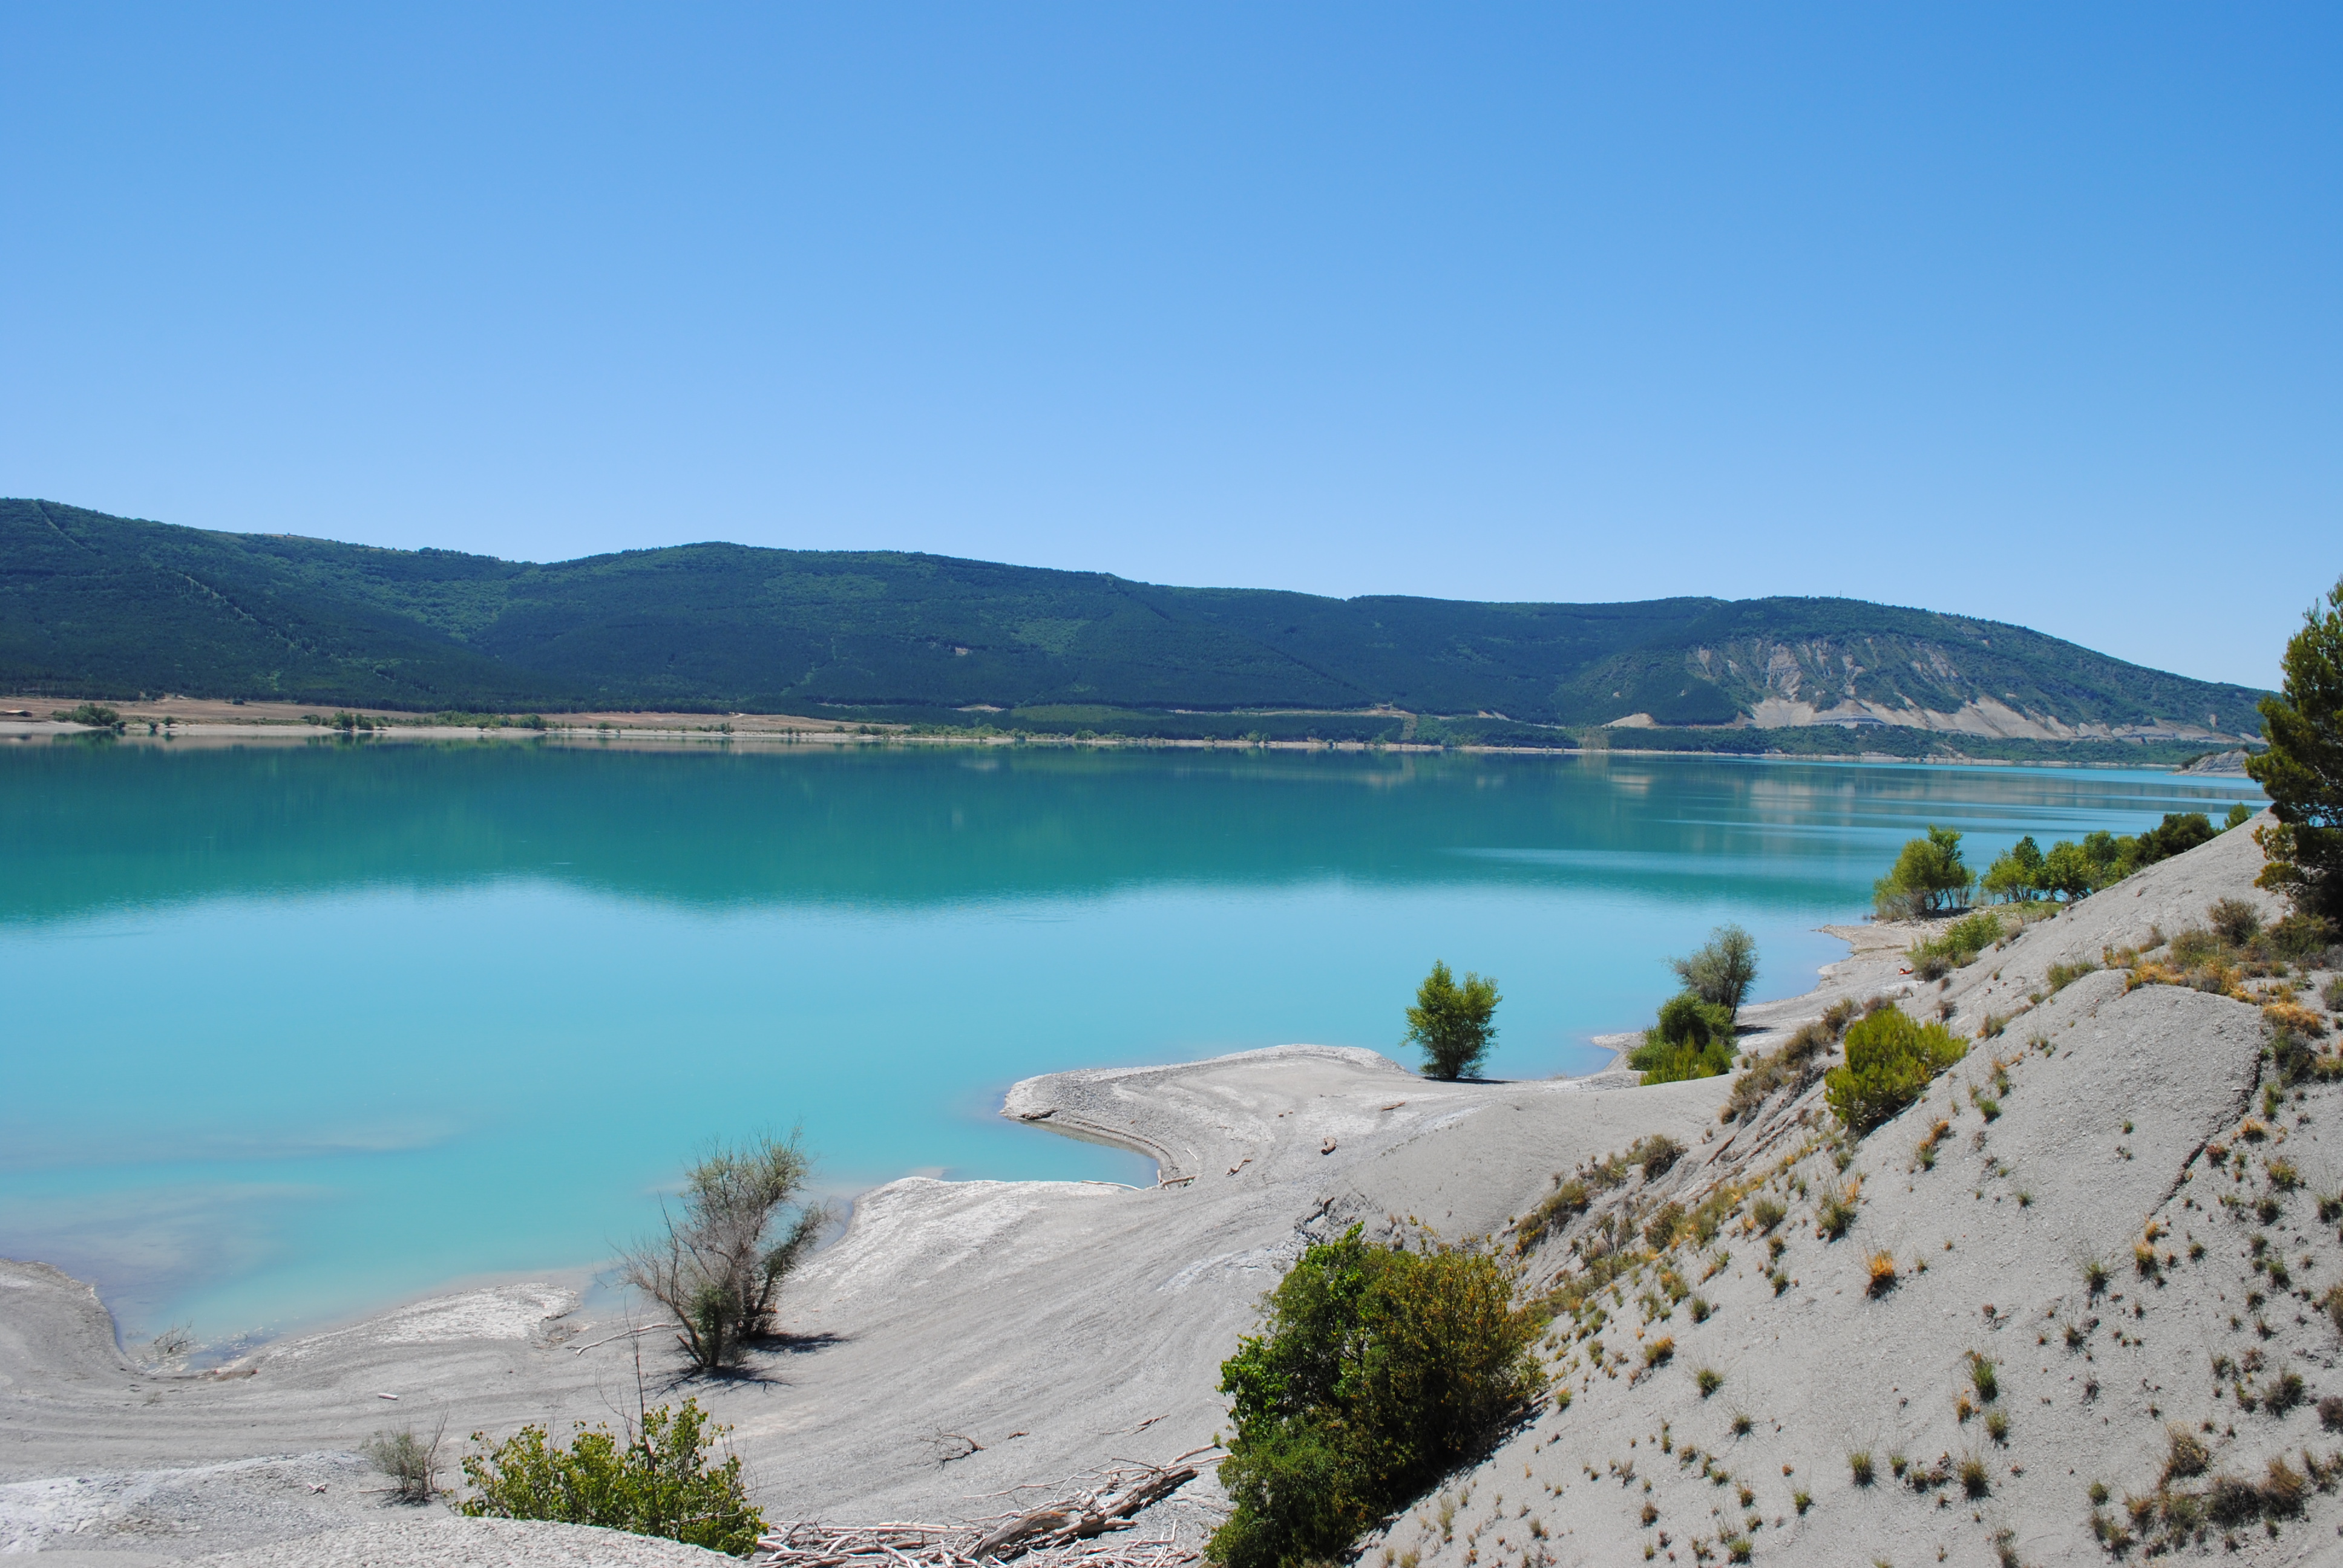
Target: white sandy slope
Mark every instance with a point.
(1061, 1325)
(2114, 1097)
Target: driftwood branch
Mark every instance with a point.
(1101, 1507)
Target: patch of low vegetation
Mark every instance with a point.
(1794, 1066)
(653, 1477)
(2174, 1516)
(2060, 976)
(1377, 1370)
(95, 715)
(1891, 1060)
(1957, 945)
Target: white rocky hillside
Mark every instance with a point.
(2075, 1309)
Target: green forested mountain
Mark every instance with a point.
(91, 605)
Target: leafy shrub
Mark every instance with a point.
(652, 1480)
(96, 715)
(1451, 1022)
(1692, 1039)
(717, 1266)
(1890, 1061)
(1377, 1370)
(2299, 937)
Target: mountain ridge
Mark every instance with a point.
(97, 605)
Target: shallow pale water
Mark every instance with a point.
(292, 1030)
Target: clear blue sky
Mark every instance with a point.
(2029, 312)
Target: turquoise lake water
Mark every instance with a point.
(291, 1032)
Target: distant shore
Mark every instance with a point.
(202, 722)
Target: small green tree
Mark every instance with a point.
(1890, 1061)
(1723, 971)
(2015, 873)
(718, 1262)
(2067, 871)
(2302, 770)
(1451, 1022)
(1377, 1370)
(1928, 877)
(651, 1478)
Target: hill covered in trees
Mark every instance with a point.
(91, 605)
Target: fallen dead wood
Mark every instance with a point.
(1101, 1504)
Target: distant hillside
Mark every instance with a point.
(91, 605)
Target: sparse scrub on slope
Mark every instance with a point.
(1791, 1067)
(1958, 946)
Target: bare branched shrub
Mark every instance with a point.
(412, 1462)
(718, 1262)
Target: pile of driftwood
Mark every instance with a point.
(1065, 1533)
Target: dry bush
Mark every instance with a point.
(412, 1462)
(717, 1264)
(1881, 1270)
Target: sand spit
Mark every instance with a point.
(966, 1339)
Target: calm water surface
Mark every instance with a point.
(291, 1032)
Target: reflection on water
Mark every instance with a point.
(295, 1030)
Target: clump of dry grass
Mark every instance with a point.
(1880, 1271)
(1836, 1211)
